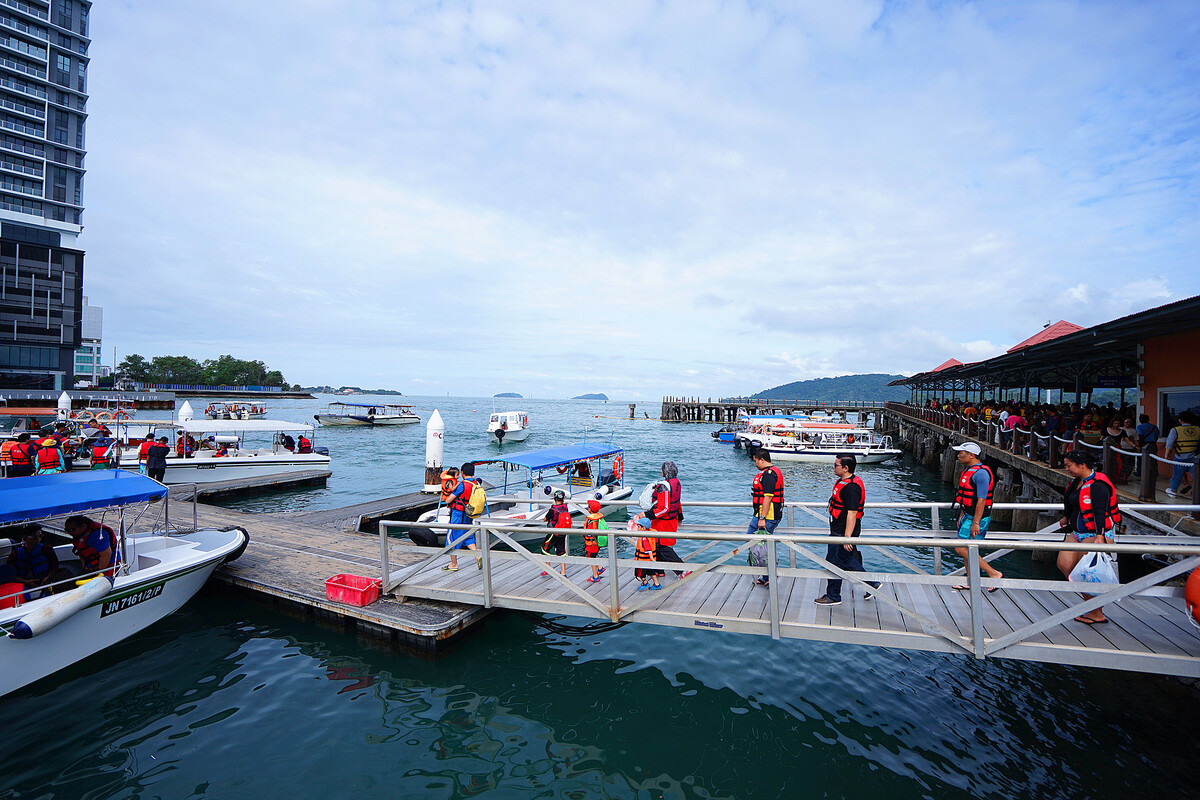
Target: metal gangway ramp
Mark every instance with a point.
(918, 608)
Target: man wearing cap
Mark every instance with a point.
(974, 498)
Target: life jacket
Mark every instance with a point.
(667, 504)
(144, 448)
(49, 458)
(837, 506)
(90, 557)
(757, 493)
(644, 548)
(1187, 438)
(966, 496)
(21, 454)
(1087, 513)
(6, 448)
(449, 481)
(591, 522)
(31, 565)
(558, 516)
(305, 445)
(99, 454)
(459, 502)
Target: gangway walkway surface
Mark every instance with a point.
(1148, 629)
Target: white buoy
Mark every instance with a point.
(61, 608)
(435, 441)
(185, 412)
(64, 406)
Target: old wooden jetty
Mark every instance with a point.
(723, 411)
(1148, 627)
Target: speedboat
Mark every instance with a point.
(819, 440)
(587, 471)
(725, 435)
(367, 414)
(508, 426)
(158, 571)
(221, 410)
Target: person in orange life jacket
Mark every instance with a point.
(305, 445)
(222, 450)
(22, 457)
(1090, 514)
(766, 500)
(457, 501)
(846, 506)
(591, 545)
(32, 561)
(974, 498)
(557, 516)
(156, 459)
(95, 544)
(49, 457)
(666, 512)
(644, 548)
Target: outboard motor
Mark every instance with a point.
(500, 435)
(321, 451)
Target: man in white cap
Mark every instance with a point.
(974, 499)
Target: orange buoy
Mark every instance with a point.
(1191, 595)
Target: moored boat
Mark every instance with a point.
(797, 438)
(508, 426)
(158, 571)
(367, 414)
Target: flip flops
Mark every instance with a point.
(449, 568)
(1089, 621)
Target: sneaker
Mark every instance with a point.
(643, 587)
(655, 588)
(544, 574)
(826, 600)
(1170, 493)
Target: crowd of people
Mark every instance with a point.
(1090, 515)
(1096, 425)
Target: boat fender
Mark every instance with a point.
(562, 468)
(61, 607)
(241, 548)
(1191, 595)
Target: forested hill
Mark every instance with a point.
(847, 387)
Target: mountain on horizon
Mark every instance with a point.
(873, 386)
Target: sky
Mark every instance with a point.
(635, 198)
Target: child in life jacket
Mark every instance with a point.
(644, 548)
(591, 544)
(558, 516)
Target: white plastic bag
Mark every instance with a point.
(1095, 568)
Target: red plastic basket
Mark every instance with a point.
(353, 590)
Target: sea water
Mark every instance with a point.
(229, 699)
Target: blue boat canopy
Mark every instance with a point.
(41, 496)
(557, 456)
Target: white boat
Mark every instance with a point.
(803, 438)
(579, 470)
(219, 410)
(367, 414)
(159, 572)
(508, 426)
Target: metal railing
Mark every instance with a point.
(796, 542)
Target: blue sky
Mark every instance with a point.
(636, 198)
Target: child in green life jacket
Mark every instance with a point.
(591, 544)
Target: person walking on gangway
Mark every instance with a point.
(974, 499)
(846, 506)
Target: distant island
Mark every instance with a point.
(508, 394)
(872, 386)
(591, 397)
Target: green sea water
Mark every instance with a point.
(229, 699)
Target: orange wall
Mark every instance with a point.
(1169, 361)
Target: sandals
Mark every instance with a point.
(449, 568)
(1090, 621)
(761, 582)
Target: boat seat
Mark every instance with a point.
(577, 480)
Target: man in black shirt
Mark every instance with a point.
(845, 519)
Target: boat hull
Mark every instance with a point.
(519, 435)
(334, 420)
(828, 456)
(135, 602)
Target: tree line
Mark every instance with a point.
(223, 371)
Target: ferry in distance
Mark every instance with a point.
(818, 439)
(369, 414)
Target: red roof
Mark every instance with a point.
(1060, 328)
(953, 362)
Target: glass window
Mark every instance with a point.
(1174, 402)
(64, 63)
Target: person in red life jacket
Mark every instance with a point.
(591, 544)
(1090, 514)
(49, 457)
(976, 485)
(185, 445)
(143, 451)
(101, 454)
(32, 561)
(222, 450)
(156, 459)
(846, 506)
(557, 516)
(666, 512)
(22, 457)
(766, 500)
(457, 499)
(95, 544)
(305, 445)
(644, 548)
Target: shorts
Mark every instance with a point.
(964, 527)
(1081, 537)
(555, 544)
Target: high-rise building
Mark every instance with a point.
(89, 366)
(43, 108)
